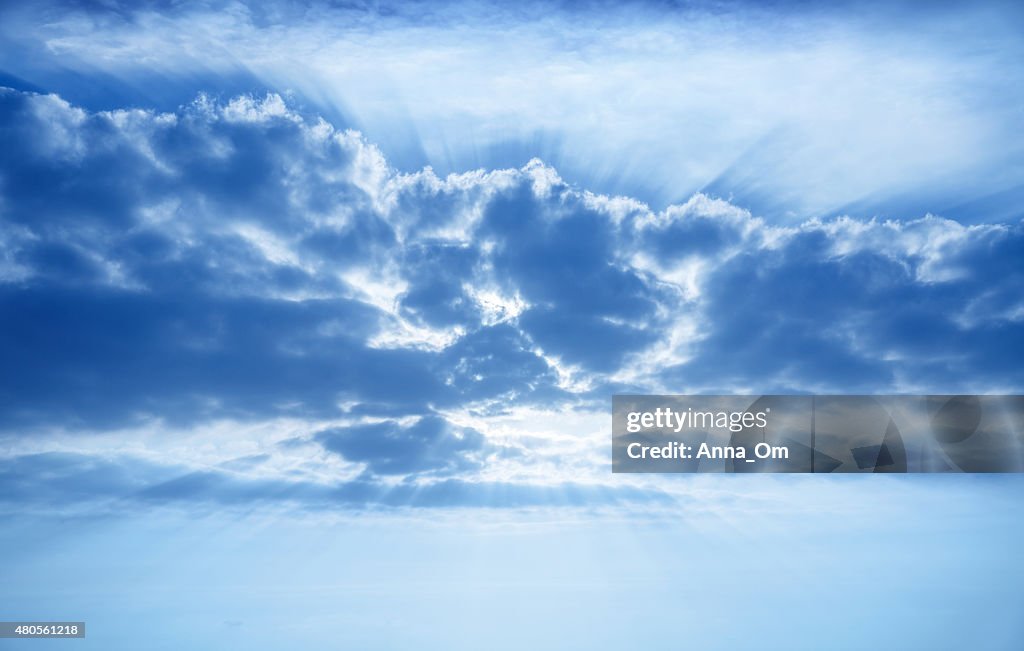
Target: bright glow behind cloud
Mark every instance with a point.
(792, 114)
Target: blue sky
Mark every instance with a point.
(342, 293)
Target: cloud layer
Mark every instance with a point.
(241, 261)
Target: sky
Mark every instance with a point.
(311, 315)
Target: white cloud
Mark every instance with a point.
(494, 306)
(248, 109)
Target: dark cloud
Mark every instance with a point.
(800, 316)
(104, 358)
(588, 305)
(431, 445)
(437, 272)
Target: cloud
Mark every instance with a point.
(861, 305)
(104, 358)
(430, 445)
(236, 257)
(242, 260)
(52, 478)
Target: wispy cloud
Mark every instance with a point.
(792, 113)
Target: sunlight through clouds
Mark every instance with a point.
(312, 313)
(643, 101)
(494, 302)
